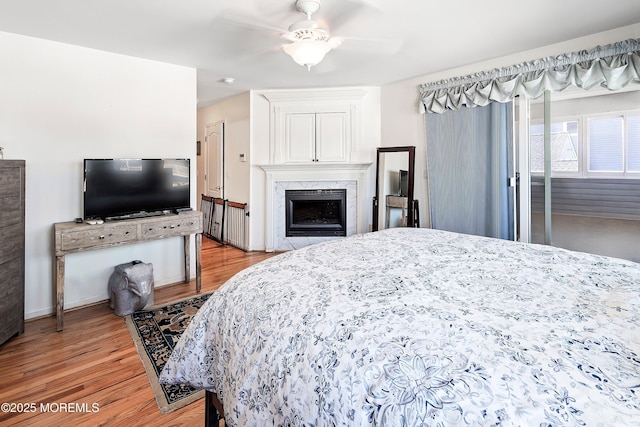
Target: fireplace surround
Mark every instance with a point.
(354, 177)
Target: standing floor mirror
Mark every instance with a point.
(394, 204)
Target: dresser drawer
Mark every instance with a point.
(173, 226)
(102, 236)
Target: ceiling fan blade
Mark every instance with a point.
(238, 38)
(344, 14)
(381, 46)
(248, 23)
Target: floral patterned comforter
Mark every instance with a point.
(418, 327)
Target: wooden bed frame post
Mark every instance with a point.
(213, 411)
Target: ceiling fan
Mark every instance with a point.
(309, 41)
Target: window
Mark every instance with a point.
(565, 147)
(590, 146)
(633, 144)
(606, 145)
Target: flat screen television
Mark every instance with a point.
(132, 188)
(404, 183)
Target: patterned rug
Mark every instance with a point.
(155, 332)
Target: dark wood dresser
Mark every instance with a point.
(12, 190)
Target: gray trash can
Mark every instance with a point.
(131, 287)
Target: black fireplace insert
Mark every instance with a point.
(316, 212)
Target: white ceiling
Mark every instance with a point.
(384, 40)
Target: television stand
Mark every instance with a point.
(71, 237)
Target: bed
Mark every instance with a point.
(419, 327)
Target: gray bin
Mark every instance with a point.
(131, 287)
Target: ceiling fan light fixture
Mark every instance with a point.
(310, 42)
(307, 52)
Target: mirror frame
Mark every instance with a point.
(411, 150)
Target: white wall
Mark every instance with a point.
(402, 124)
(60, 104)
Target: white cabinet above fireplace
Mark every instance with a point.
(316, 137)
(315, 126)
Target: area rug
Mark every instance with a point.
(155, 332)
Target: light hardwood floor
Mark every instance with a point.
(93, 364)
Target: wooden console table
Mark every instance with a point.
(71, 237)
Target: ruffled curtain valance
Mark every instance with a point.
(612, 66)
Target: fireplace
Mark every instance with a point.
(316, 212)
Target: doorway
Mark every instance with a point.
(214, 160)
(582, 171)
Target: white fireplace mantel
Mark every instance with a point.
(314, 172)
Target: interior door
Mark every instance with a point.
(214, 160)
